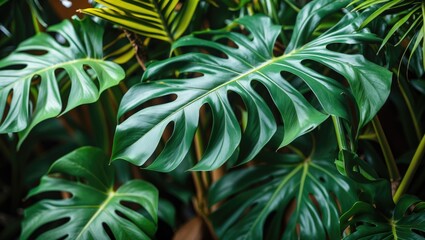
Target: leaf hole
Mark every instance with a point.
(337, 202)
(289, 210)
(59, 38)
(35, 83)
(5, 107)
(122, 215)
(150, 103)
(91, 73)
(419, 232)
(14, 67)
(325, 70)
(108, 231)
(269, 223)
(51, 195)
(35, 52)
(226, 41)
(49, 226)
(205, 122)
(64, 85)
(262, 90)
(137, 208)
(313, 199)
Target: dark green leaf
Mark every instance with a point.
(303, 195)
(93, 202)
(367, 222)
(249, 63)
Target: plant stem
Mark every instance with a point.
(139, 48)
(340, 136)
(386, 150)
(411, 111)
(35, 22)
(414, 165)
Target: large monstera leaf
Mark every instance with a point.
(406, 221)
(151, 18)
(285, 196)
(31, 81)
(93, 206)
(209, 79)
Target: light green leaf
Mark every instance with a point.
(30, 90)
(93, 202)
(249, 63)
(151, 18)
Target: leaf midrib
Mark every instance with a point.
(111, 195)
(163, 20)
(276, 192)
(256, 69)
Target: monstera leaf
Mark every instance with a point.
(31, 81)
(151, 18)
(406, 221)
(93, 208)
(285, 196)
(238, 69)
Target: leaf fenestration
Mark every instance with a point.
(92, 203)
(31, 70)
(250, 61)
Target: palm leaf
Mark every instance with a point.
(284, 196)
(411, 16)
(93, 202)
(250, 62)
(151, 18)
(368, 222)
(32, 68)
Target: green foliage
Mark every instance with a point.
(93, 205)
(305, 193)
(272, 105)
(252, 62)
(151, 18)
(406, 221)
(31, 71)
(408, 20)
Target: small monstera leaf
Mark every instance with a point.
(93, 207)
(238, 69)
(31, 81)
(285, 196)
(151, 18)
(406, 221)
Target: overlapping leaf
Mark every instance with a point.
(93, 203)
(30, 71)
(284, 197)
(151, 18)
(249, 62)
(406, 221)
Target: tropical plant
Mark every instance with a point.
(148, 119)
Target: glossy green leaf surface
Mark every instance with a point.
(31, 82)
(367, 222)
(209, 79)
(306, 195)
(93, 203)
(151, 18)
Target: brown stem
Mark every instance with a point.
(138, 46)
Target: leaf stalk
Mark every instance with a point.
(414, 165)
